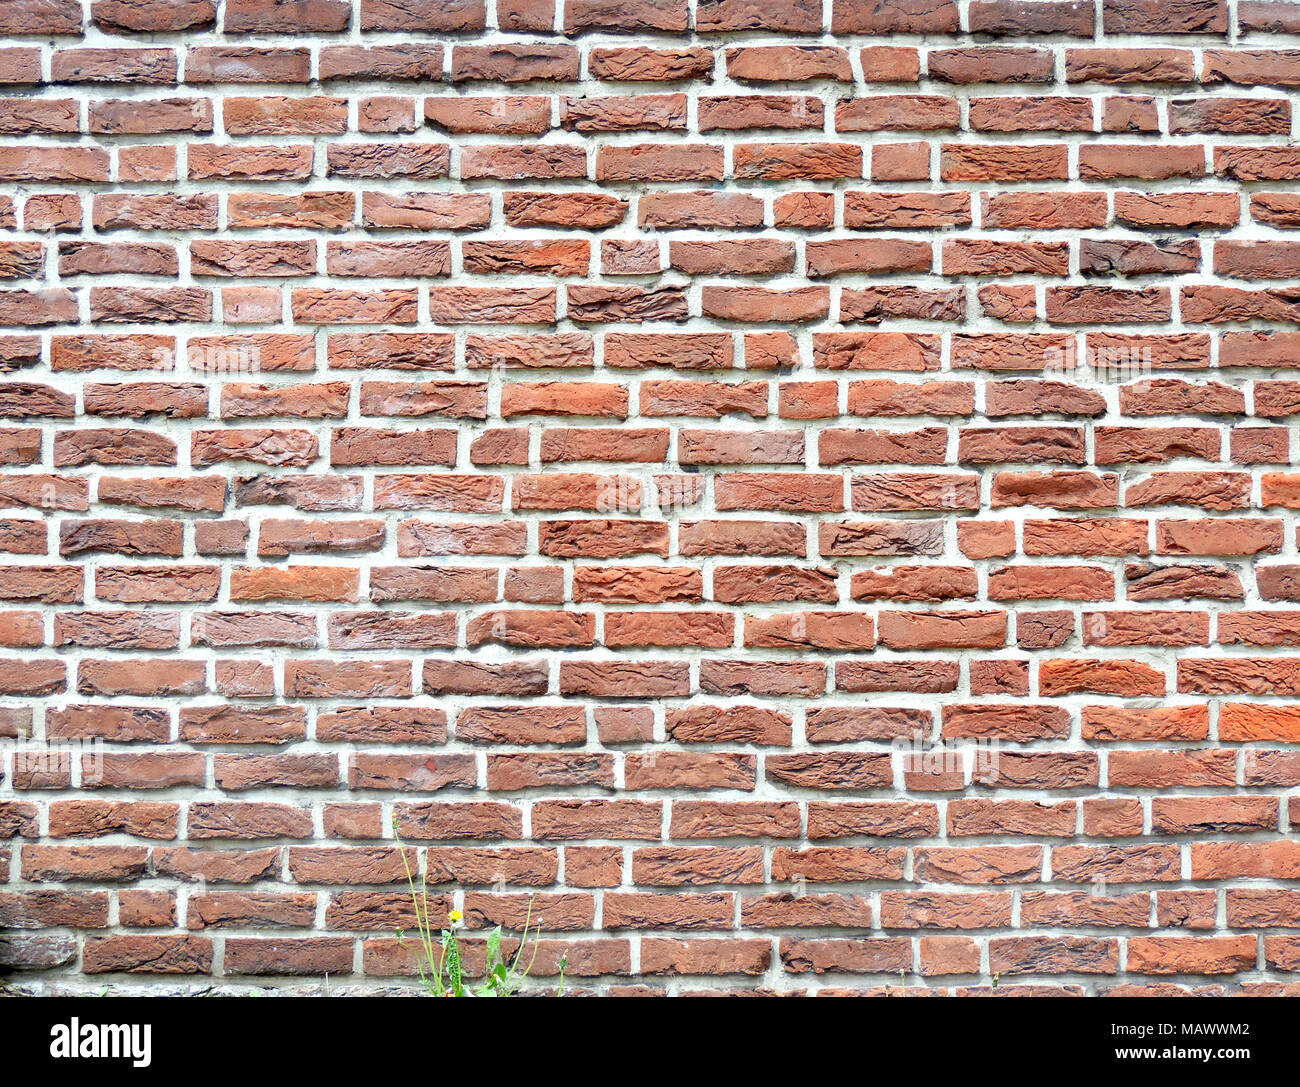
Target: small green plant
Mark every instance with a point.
(439, 960)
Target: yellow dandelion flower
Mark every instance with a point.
(455, 915)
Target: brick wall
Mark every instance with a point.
(614, 444)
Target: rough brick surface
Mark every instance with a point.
(803, 492)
